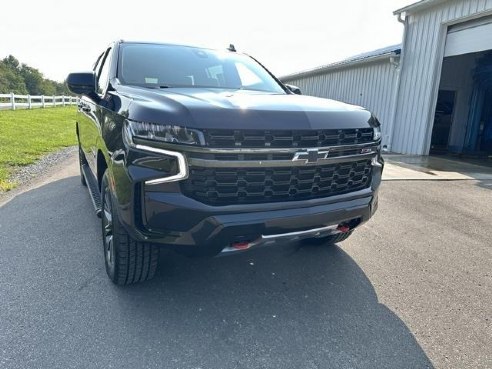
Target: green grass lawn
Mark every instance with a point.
(26, 135)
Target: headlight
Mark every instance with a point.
(377, 133)
(165, 133)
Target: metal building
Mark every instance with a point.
(369, 80)
(432, 95)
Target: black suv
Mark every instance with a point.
(206, 152)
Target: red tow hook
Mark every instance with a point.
(343, 228)
(240, 245)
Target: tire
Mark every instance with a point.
(82, 162)
(127, 261)
(327, 240)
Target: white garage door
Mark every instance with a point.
(469, 37)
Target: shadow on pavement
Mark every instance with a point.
(283, 307)
(290, 307)
(485, 184)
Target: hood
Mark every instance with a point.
(207, 108)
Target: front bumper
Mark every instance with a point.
(267, 240)
(164, 215)
(181, 223)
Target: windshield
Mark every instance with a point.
(152, 65)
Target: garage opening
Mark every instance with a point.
(479, 135)
(463, 114)
(443, 119)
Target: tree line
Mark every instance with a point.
(22, 79)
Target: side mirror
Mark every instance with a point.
(82, 83)
(294, 89)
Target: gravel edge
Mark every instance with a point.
(24, 176)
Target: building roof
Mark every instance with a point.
(385, 52)
(418, 6)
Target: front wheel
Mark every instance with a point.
(127, 261)
(327, 240)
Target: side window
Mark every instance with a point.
(97, 64)
(103, 72)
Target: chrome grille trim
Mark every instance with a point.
(275, 163)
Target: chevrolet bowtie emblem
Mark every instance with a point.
(310, 156)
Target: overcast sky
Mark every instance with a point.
(58, 37)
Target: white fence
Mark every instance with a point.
(12, 101)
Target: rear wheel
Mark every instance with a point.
(327, 240)
(127, 261)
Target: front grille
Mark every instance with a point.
(228, 186)
(227, 138)
(266, 156)
(242, 157)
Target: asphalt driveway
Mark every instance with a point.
(411, 289)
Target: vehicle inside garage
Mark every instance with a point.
(463, 114)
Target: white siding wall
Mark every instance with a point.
(371, 85)
(423, 50)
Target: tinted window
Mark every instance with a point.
(103, 73)
(248, 77)
(181, 66)
(97, 64)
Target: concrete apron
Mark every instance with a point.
(431, 168)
